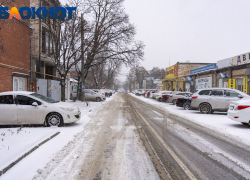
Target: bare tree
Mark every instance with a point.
(136, 75)
(157, 73)
(111, 36)
(105, 73)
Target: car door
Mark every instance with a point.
(28, 114)
(8, 110)
(217, 99)
(231, 96)
(88, 96)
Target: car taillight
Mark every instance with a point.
(177, 100)
(242, 107)
(194, 97)
(102, 93)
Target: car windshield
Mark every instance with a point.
(43, 98)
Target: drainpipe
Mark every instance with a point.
(31, 64)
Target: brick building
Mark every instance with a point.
(15, 42)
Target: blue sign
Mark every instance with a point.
(203, 68)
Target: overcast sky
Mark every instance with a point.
(194, 30)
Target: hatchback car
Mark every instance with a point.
(215, 99)
(22, 107)
(239, 111)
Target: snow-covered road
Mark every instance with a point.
(131, 137)
(104, 143)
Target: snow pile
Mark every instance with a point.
(14, 142)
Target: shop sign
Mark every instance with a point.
(187, 87)
(241, 59)
(176, 69)
(231, 83)
(203, 68)
(245, 85)
(202, 83)
(220, 83)
(184, 73)
(170, 72)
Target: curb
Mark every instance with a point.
(26, 154)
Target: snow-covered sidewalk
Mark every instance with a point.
(218, 121)
(14, 142)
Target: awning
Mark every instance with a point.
(247, 73)
(188, 78)
(167, 79)
(222, 76)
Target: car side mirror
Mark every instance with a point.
(34, 104)
(240, 96)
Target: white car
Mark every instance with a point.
(158, 95)
(22, 107)
(101, 93)
(239, 111)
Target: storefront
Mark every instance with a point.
(168, 84)
(204, 76)
(185, 80)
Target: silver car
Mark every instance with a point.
(90, 95)
(215, 99)
(175, 95)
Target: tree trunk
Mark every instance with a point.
(63, 85)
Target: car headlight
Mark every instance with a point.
(67, 109)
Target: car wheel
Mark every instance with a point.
(97, 99)
(246, 124)
(54, 119)
(186, 106)
(174, 101)
(74, 99)
(205, 109)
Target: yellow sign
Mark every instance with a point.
(231, 83)
(170, 72)
(245, 85)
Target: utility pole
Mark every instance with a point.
(82, 61)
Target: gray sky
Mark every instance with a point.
(194, 30)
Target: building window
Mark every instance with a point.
(48, 43)
(19, 84)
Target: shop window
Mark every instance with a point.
(239, 84)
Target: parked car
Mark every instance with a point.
(175, 95)
(101, 92)
(90, 95)
(153, 93)
(138, 92)
(158, 96)
(165, 96)
(239, 111)
(145, 92)
(22, 107)
(184, 102)
(215, 99)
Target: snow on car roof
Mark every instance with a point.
(16, 92)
